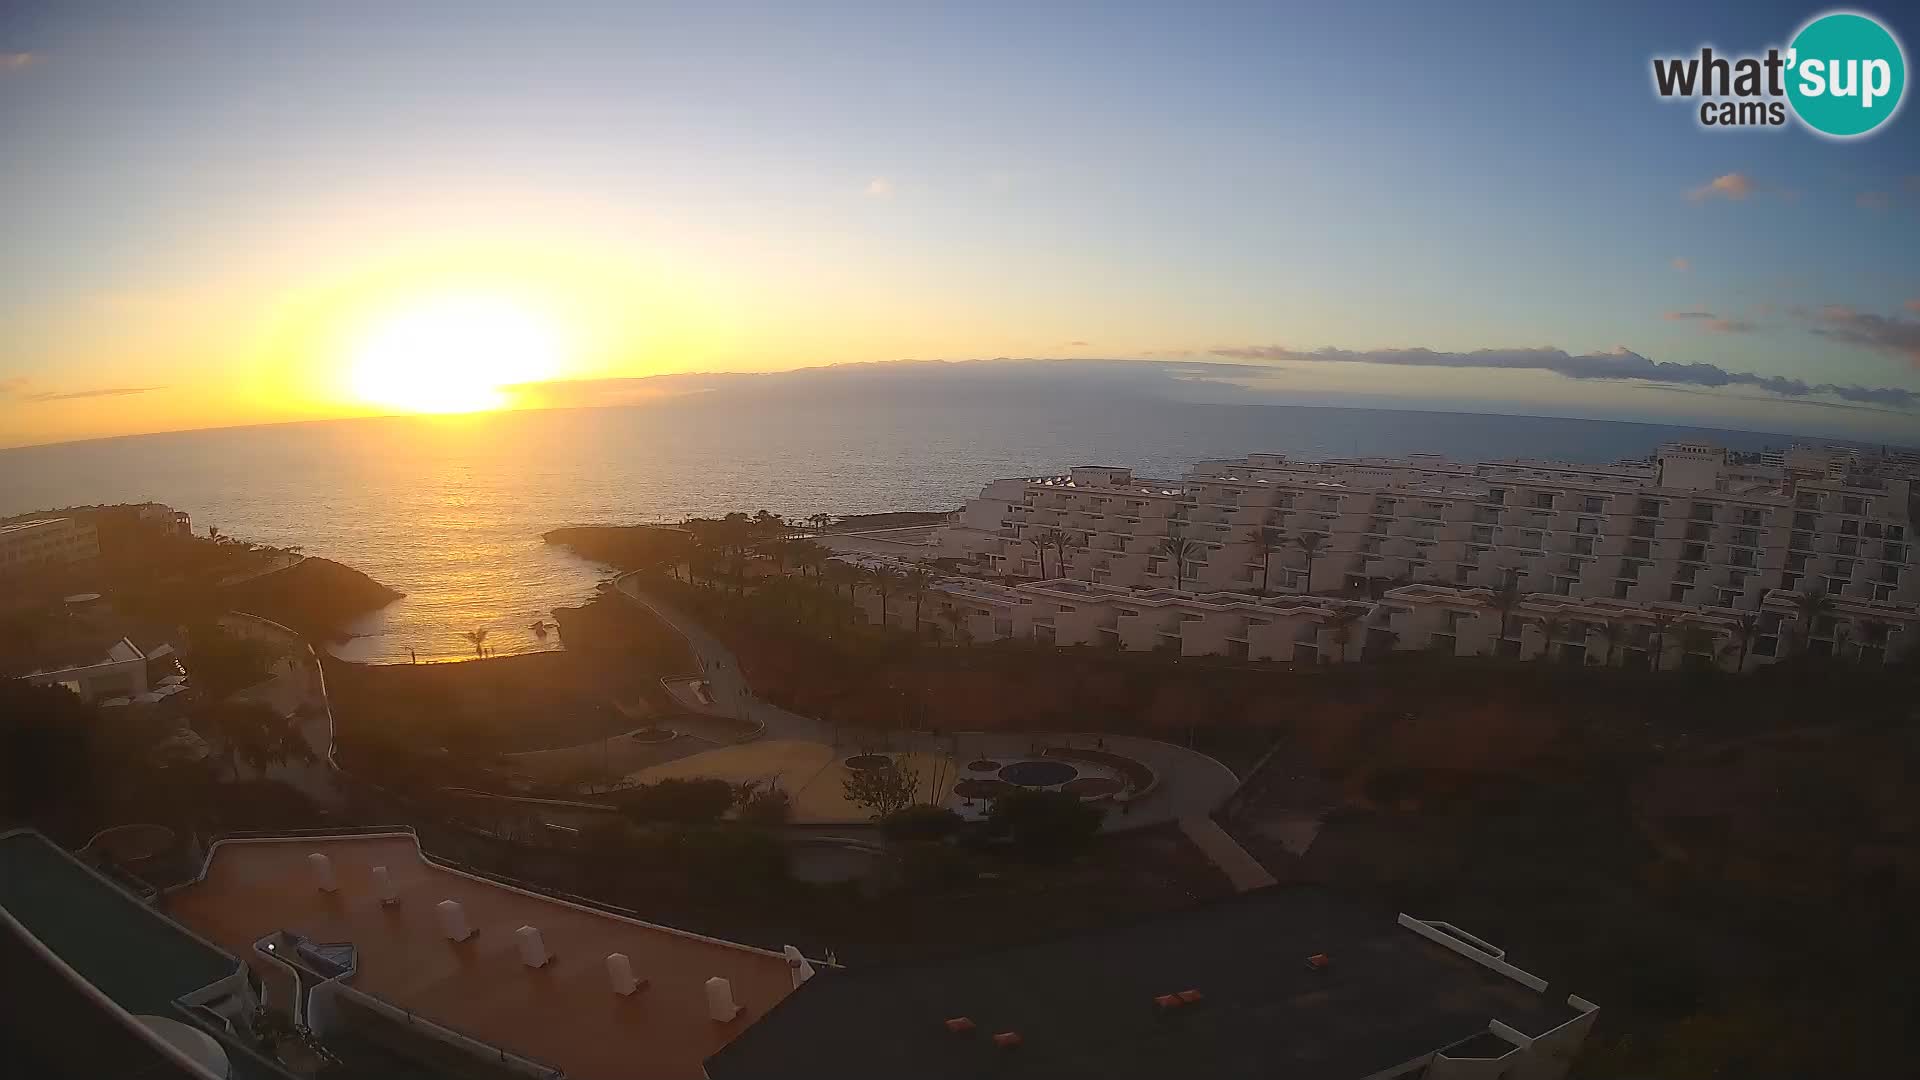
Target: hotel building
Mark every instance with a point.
(26, 546)
(1691, 535)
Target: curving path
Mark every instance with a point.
(1190, 783)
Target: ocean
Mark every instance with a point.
(450, 510)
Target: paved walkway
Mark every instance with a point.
(1241, 869)
(1190, 783)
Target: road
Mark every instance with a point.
(1190, 783)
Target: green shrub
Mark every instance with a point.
(920, 824)
(683, 802)
(1044, 824)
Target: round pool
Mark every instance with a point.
(866, 762)
(1038, 773)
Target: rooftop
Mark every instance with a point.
(1085, 1006)
(23, 526)
(563, 1014)
(141, 961)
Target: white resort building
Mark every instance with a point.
(1689, 552)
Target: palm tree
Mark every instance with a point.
(1552, 628)
(1340, 630)
(1180, 550)
(1506, 598)
(1060, 539)
(881, 577)
(956, 621)
(1808, 609)
(1611, 634)
(1264, 539)
(808, 555)
(1661, 621)
(915, 583)
(1042, 539)
(478, 639)
(819, 522)
(1039, 545)
(1309, 543)
(1695, 639)
(1745, 629)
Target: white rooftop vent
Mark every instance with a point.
(800, 967)
(383, 886)
(620, 974)
(453, 920)
(720, 1003)
(533, 947)
(322, 869)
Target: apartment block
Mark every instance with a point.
(1691, 526)
(39, 543)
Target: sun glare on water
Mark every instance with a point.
(454, 354)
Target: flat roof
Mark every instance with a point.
(133, 955)
(22, 526)
(563, 1014)
(1084, 1006)
(136, 957)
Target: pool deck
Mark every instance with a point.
(563, 1014)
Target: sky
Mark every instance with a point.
(221, 214)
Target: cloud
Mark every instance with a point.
(1733, 185)
(1682, 263)
(880, 187)
(1711, 321)
(1913, 305)
(1617, 365)
(16, 388)
(1873, 200)
(1880, 332)
(1082, 344)
(16, 61)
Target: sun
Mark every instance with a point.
(454, 354)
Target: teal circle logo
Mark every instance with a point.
(1845, 74)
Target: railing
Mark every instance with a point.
(439, 1032)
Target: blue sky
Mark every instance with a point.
(192, 187)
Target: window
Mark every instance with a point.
(1640, 549)
(1849, 528)
(1701, 512)
(1694, 553)
(1620, 590)
(1852, 505)
(1678, 594)
(1593, 504)
(1648, 508)
(1543, 500)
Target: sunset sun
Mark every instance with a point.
(454, 354)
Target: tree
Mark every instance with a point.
(766, 806)
(476, 638)
(1506, 598)
(820, 522)
(1340, 629)
(1611, 634)
(1740, 643)
(1552, 628)
(882, 791)
(46, 750)
(1309, 543)
(915, 583)
(222, 662)
(956, 620)
(1696, 642)
(252, 733)
(1661, 621)
(680, 801)
(1040, 541)
(1046, 825)
(920, 824)
(1808, 609)
(1264, 540)
(883, 577)
(1180, 550)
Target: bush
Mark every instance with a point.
(936, 867)
(920, 824)
(730, 860)
(767, 807)
(682, 802)
(1044, 824)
